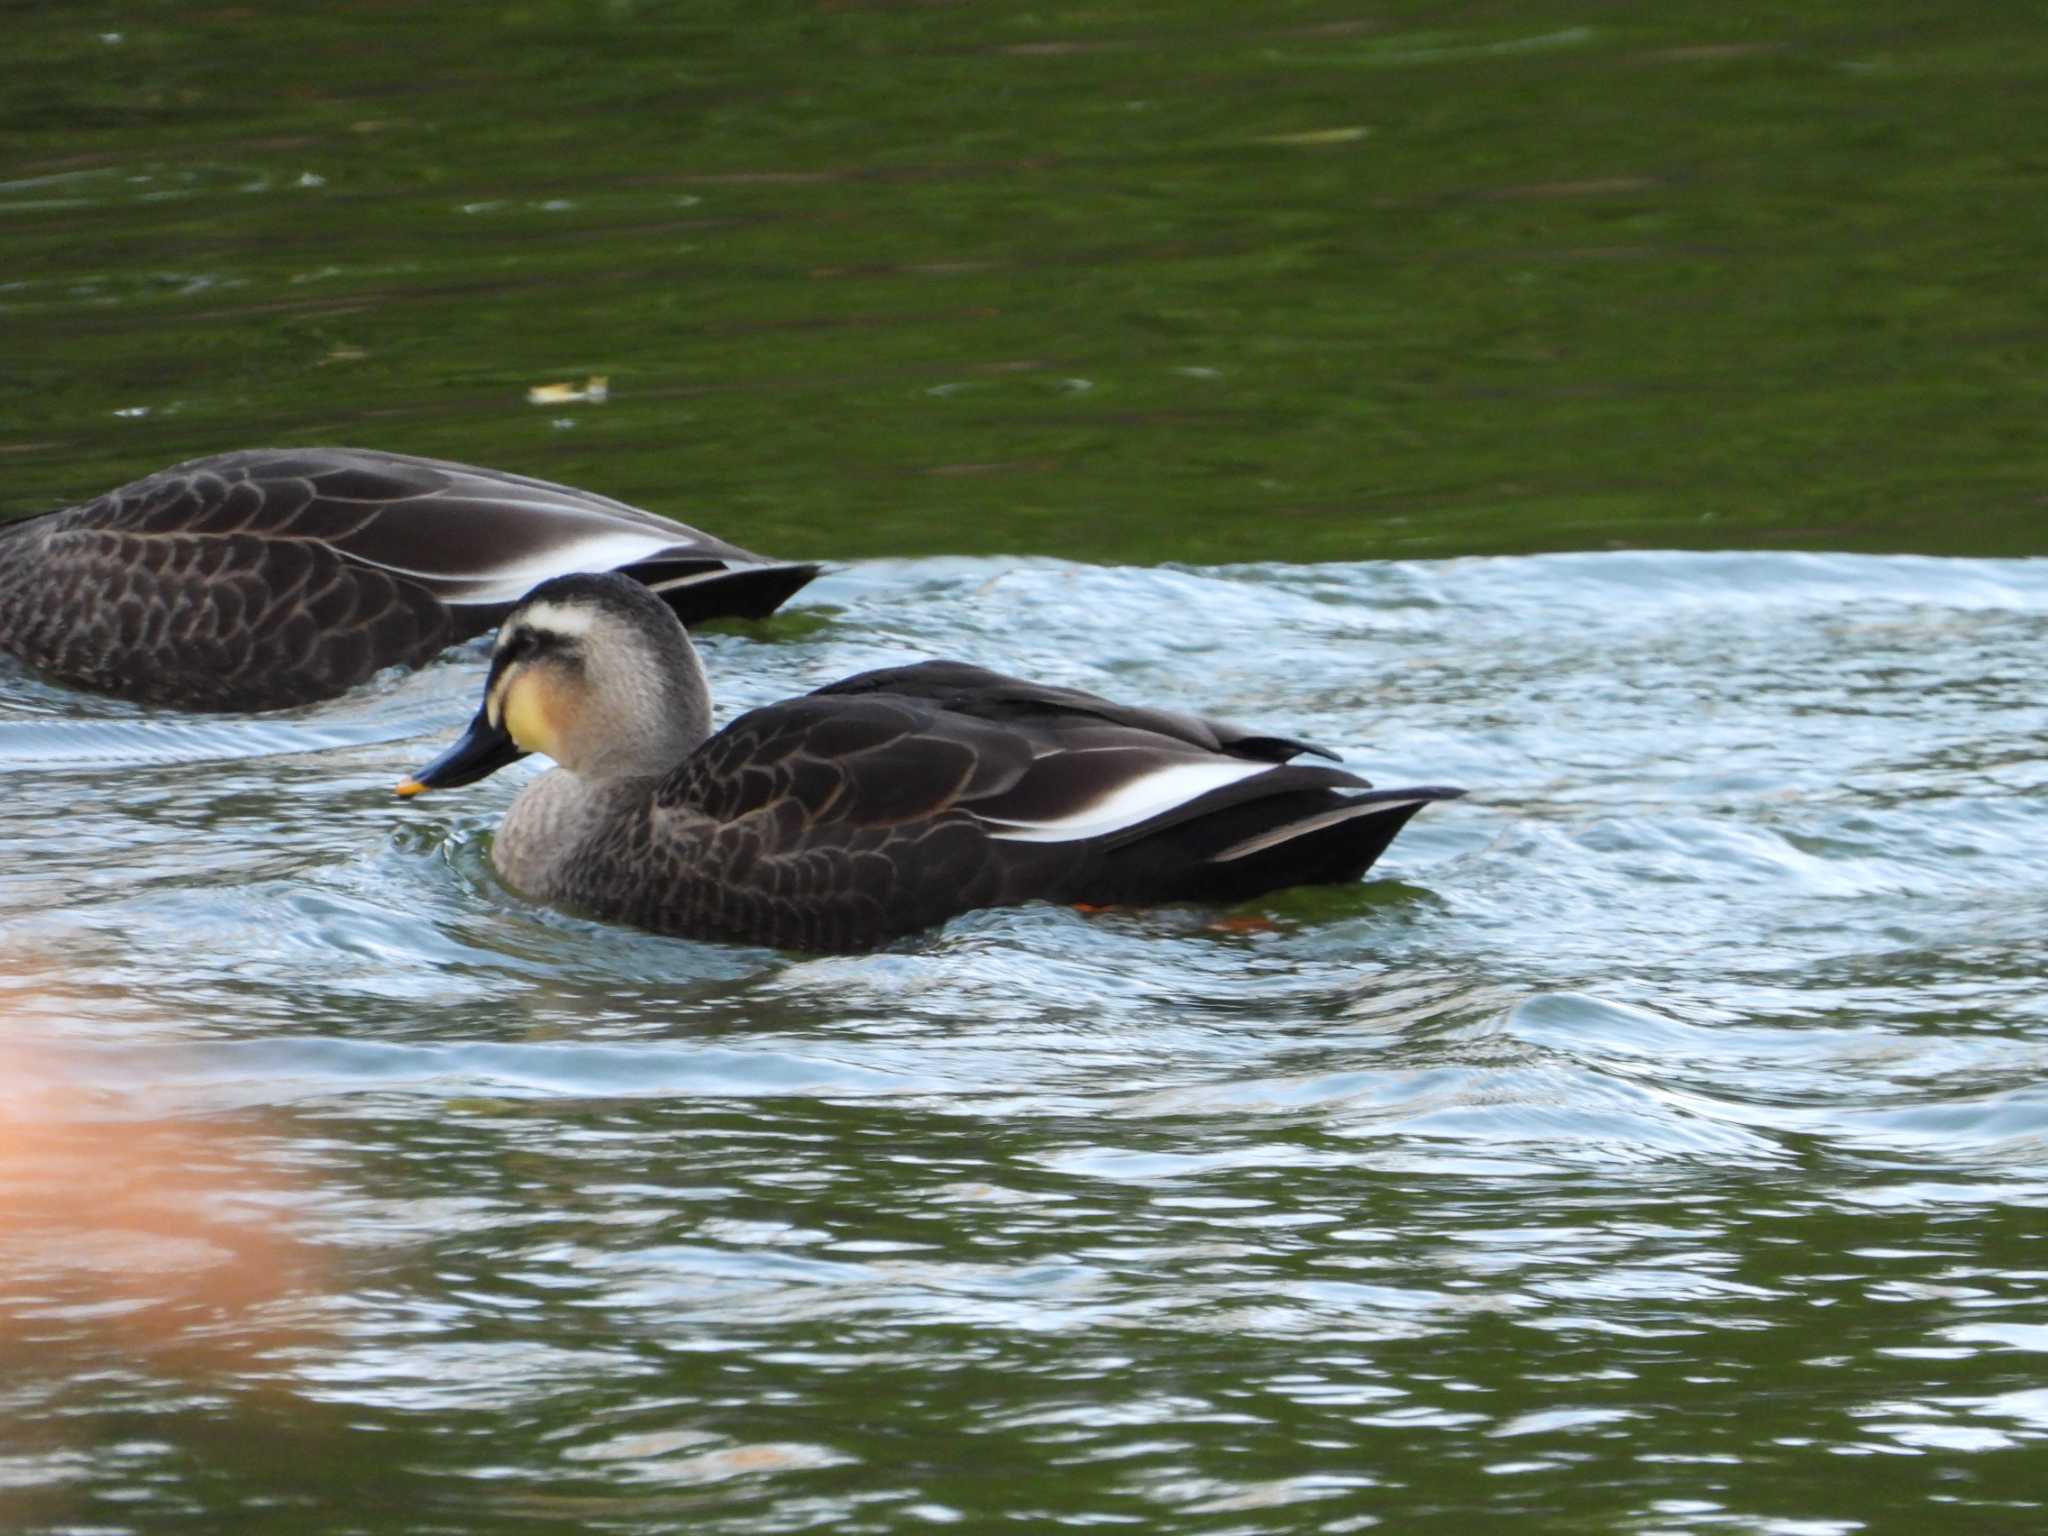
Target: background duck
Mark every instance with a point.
(278, 576)
(880, 805)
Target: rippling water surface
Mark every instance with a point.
(1661, 1144)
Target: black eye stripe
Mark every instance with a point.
(526, 641)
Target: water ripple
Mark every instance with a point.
(1699, 1050)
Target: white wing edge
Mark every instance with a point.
(1139, 800)
(509, 580)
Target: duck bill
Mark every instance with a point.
(480, 752)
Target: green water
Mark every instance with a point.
(1206, 282)
(1660, 1147)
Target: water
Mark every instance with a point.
(1659, 1146)
(1656, 1147)
(1307, 280)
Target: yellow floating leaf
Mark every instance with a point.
(596, 389)
(1316, 136)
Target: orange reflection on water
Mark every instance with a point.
(167, 1237)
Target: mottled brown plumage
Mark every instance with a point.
(878, 806)
(273, 577)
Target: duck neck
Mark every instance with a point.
(549, 822)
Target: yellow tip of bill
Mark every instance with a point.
(410, 787)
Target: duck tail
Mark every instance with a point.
(1334, 844)
(1308, 836)
(724, 592)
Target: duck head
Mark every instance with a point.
(593, 671)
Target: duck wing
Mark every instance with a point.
(480, 539)
(978, 693)
(175, 591)
(895, 800)
(272, 577)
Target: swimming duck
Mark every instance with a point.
(280, 576)
(880, 805)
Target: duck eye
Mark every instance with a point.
(523, 642)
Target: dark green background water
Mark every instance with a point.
(1662, 1149)
(1180, 281)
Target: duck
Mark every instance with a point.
(880, 805)
(273, 577)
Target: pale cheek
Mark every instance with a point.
(530, 716)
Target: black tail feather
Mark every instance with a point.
(734, 592)
(1305, 837)
(1334, 848)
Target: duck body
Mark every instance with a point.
(267, 578)
(883, 804)
(892, 801)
